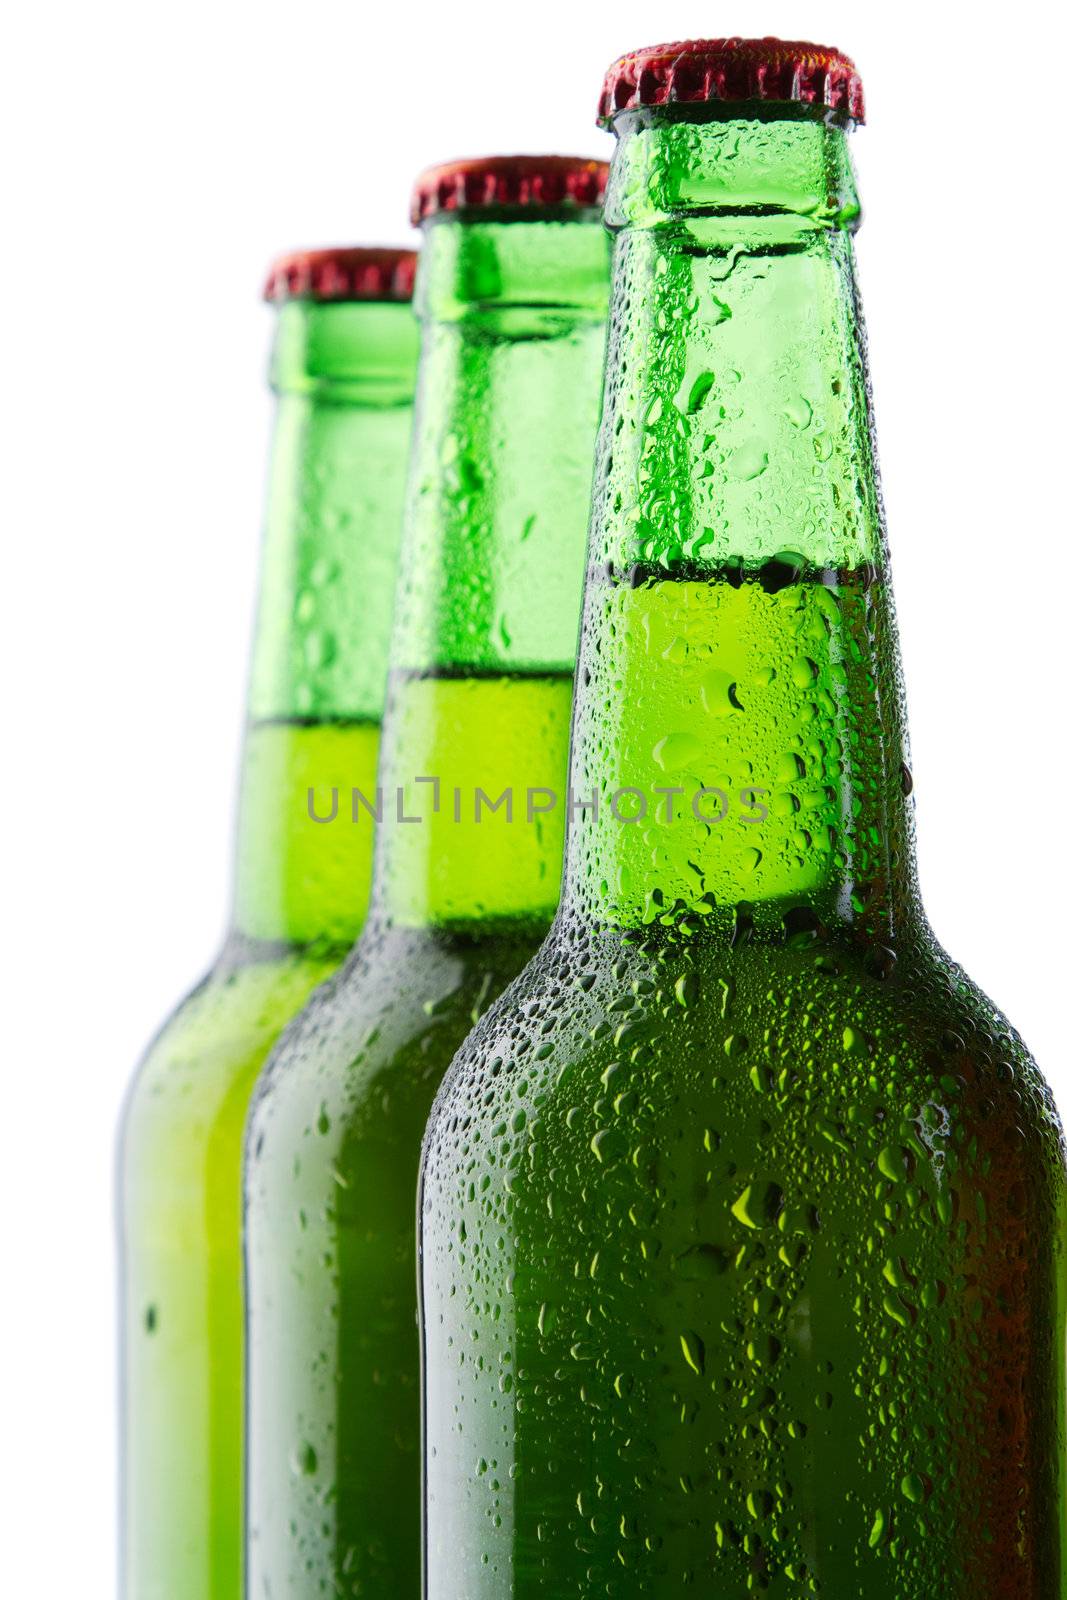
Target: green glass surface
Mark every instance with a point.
(743, 1210)
(481, 681)
(344, 377)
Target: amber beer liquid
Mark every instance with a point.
(743, 1210)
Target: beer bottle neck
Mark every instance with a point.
(343, 374)
(738, 673)
(482, 656)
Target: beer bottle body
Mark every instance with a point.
(743, 1209)
(344, 375)
(480, 689)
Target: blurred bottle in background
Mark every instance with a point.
(343, 371)
(512, 297)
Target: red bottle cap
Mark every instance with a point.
(769, 70)
(351, 273)
(523, 183)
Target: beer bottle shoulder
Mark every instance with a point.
(360, 1064)
(600, 1052)
(198, 1072)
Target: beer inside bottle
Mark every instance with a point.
(742, 1219)
(512, 298)
(343, 370)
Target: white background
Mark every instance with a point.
(156, 158)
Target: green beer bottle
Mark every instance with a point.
(743, 1210)
(512, 298)
(343, 370)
